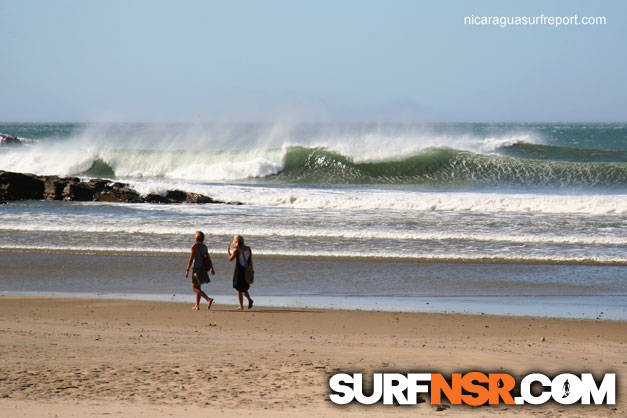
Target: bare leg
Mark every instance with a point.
(250, 301)
(204, 295)
(239, 297)
(199, 294)
(197, 291)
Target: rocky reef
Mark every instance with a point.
(26, 186)
(7, 140)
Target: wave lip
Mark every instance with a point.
(518, 164)
(507, 160)
(442, 166)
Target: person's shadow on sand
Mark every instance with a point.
(266, 311)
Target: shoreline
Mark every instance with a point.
(515, 306)
(325, 257)
(106, 355)
(516, 290)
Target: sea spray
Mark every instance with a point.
(387, 212)
(433, 166)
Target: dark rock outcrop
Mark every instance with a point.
(156, 198)
(198, 198)
(98, 184)
(55, 186)
(179, 196)
(78, 192)
(118, 192)
(9, 141)
(19, 186)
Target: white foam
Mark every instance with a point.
(491, 144)
(132, 227)
(408, 200)
(222, 153)
(452, 257)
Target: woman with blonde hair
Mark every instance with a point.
(243, 257)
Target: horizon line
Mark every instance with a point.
(313, 122)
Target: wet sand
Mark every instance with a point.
(78, 357)
(565, 291)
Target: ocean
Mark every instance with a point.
(520, 219)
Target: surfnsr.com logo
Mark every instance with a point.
(473, 388)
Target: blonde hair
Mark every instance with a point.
(238, 241)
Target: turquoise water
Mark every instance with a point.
(372, 213)
(461, 155)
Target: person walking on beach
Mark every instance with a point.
(243, 257)
(202, 264)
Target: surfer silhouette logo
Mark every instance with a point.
(566, 389)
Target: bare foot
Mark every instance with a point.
(240, 308)
(250, 303)
(195, 308)
(210, 303)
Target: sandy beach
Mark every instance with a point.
(432, 196)
(77, 357)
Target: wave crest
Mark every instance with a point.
(513, 162)
(440, 166)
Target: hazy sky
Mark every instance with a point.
(308, 60)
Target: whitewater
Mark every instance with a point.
(358, 199)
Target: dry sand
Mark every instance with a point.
(74, 357)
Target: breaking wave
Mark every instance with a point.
(325, 157)
(448, 166)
